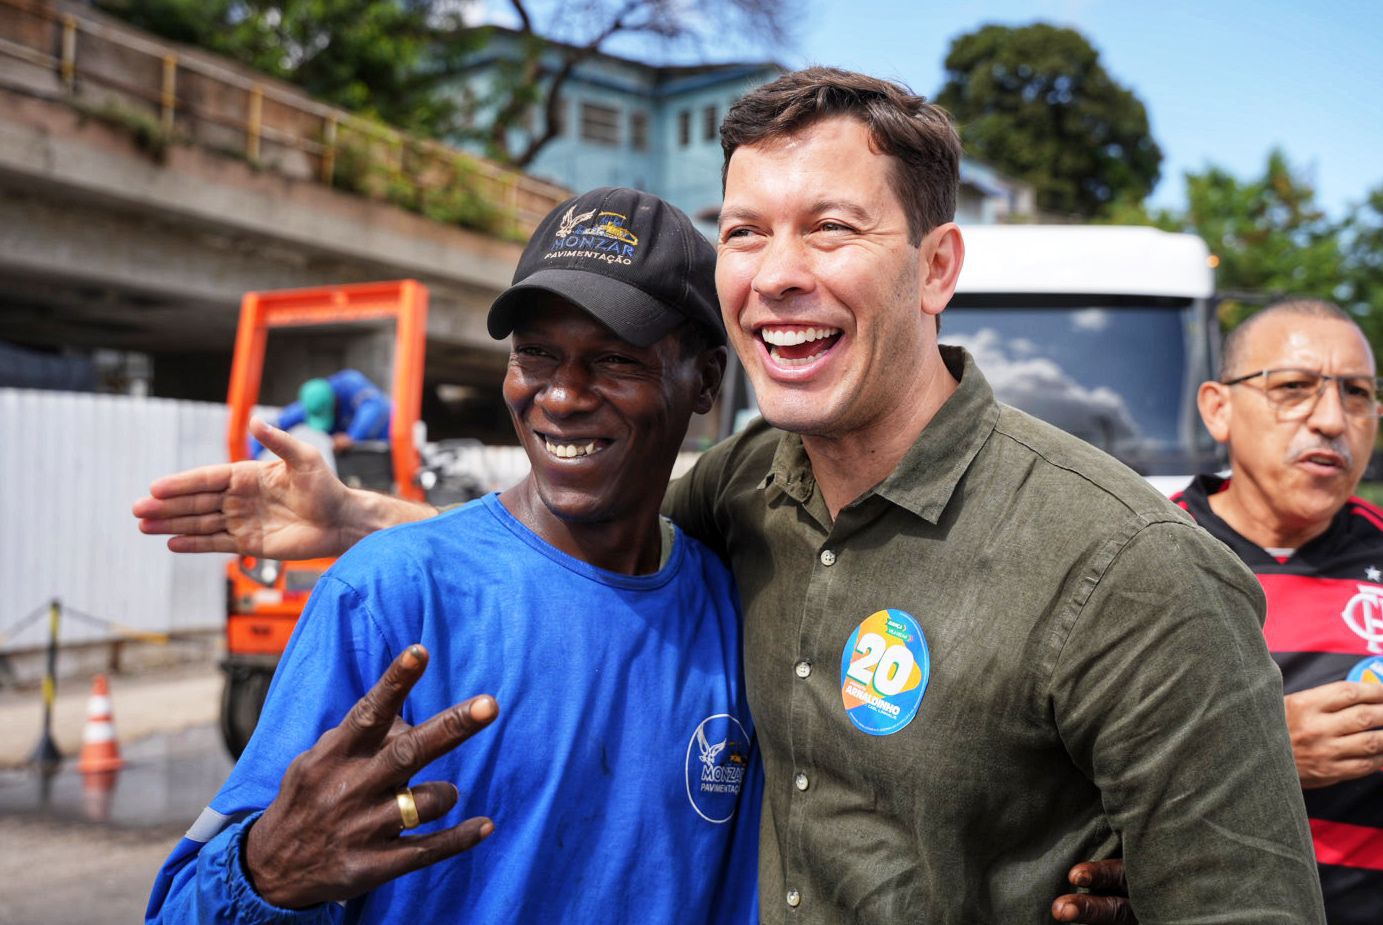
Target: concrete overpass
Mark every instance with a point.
(107, 245)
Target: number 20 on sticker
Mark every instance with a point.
(884, 671)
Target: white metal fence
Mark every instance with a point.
(71, 465)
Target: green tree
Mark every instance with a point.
(1361, 242)
(1037, 103)
(399, 60)
(1270, 235)
(550, 52)
(1272, 240)
(381, 58)
(1269, 232)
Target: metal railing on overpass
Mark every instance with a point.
(166, 94)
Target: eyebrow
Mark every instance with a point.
(850, 209)
(857, 212)
(738, 214)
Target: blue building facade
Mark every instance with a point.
(656, 128)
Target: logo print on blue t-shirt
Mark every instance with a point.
(717, 758)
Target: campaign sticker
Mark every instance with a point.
(884, 671)
(1370, 670)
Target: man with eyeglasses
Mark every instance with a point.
(1297, 407)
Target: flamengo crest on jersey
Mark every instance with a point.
(1364, 615)
(717, 758)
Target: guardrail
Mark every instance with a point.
(164, 94)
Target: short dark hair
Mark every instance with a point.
(1310, 308)
(918, 134)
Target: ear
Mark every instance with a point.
(1212, 398)
(942, 253)
(711, 370)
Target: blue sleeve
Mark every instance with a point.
(371, 420)
(207, 883)
(335, 655)
(291, 416)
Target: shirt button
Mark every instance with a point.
(794, 898)
(801, 781)
(828, 558)
(803, 668)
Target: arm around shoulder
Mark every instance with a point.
(1165, 693)
(698, 501)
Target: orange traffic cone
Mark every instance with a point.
(100, 750)
(98, 788)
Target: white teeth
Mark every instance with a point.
(571, 450)
(781, 338)
(784, 361)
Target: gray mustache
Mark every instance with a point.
(1336, 446)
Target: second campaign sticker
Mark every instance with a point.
(1369, 671)
(884, 671)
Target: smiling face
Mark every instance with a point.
(600, 419)
(824, 298)
(1290, 477)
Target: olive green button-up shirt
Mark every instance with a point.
(1090, 665)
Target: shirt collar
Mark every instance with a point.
(926, 477)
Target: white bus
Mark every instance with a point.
(1104, 331)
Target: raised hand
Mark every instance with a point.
(337, 827)
(1337, 732)
(1106, 903)
(292, 507)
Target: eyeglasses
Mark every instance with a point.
(1294, 392)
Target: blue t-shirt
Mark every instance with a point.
(621, 774)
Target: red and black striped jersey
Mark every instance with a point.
(1324, 623)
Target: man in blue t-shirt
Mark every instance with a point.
(346, 405)
(622, 779)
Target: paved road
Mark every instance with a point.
(57, 872)
(73, 855)
(165, 700)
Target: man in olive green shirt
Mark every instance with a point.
(977, 649)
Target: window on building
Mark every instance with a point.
(638, 131)
(709, 123)
(559, 117)
(684, 127)
(599, 124)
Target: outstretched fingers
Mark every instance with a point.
(189, 524)
(213, 542)
(151, 508)
(416, 851)
(425, 743)
(368, 723)
(292, 451)
(215, 479)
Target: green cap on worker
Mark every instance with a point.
(319, 404)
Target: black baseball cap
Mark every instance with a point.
(629, 259)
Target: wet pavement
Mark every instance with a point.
(167, 780)
(83, 851)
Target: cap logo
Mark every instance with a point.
(595, 235)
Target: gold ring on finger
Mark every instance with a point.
(408, 808)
